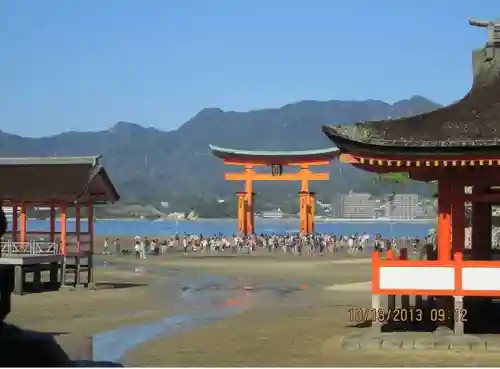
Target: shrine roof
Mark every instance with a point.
(469, 125)
(276, 157)
(46, 179)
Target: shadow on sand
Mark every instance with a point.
(25, 348)
(117, 285)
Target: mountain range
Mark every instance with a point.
(151, 165)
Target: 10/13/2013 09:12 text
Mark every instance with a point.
(359, 315)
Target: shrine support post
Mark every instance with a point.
(445, 195)
(63, 240)
(444, 220)
(23, 225)
(78, 244)
(458, 245)
(54, 266)
(15, 223)
(90, 225)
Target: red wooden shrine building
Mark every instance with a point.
(457, 146)
(250, 160)
(66, 189)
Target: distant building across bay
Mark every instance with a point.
(393, 206)
(274, 214)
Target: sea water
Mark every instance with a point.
(229, 226)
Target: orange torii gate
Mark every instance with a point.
(276, 160)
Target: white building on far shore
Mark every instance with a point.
(274, 214)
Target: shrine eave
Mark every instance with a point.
(395, 165)
(51, 160)
(274, 157)
(348, 142)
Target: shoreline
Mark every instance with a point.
(260, 220)
(269, 220)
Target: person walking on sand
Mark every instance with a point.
(185, 244)
(106, 245)
(137, 249)
(142, 250)
(137, 246)
(117, 246)
(163, 247)
(152, 246)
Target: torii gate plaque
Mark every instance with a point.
(276, 160)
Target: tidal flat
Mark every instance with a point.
(222, 310)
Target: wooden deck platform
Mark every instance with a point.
(33, 257)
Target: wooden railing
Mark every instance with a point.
(457, 277)
(10, 248)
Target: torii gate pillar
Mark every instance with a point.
(306, 213)
(245, 212)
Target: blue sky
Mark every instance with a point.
(86, 64)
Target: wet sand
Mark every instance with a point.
(303, 328)
(288, 311)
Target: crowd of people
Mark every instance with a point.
(295, 244)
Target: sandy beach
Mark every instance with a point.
(288, 311)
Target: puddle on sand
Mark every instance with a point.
(112, 345)
(209, 297)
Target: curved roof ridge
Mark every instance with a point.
(471, 121)
(278, 155)
(328, 150)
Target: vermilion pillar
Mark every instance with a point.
(458, 219)
(458, 222)
(90, 215)
(23, 225)
(249, 213)
(306, 212)
(310, 216)
(63, 209)
(445, 199)
(249, 199)
(444, 220)
(242, 221)
(245, 212)
(306, 203)
(303, 211)
(77, 226)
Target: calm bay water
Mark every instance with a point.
(228, 227)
